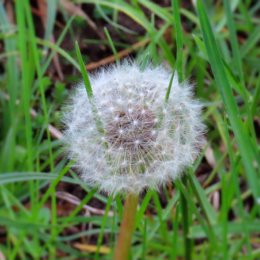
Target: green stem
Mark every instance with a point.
(127, 228)
(185, 221)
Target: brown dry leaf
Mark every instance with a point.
(121, 54)
(92, 248)
(10, 12)
(209, 155)
(42, 7)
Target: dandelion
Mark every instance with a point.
(132, 135)
(143, 142)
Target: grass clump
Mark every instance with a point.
(46, 211)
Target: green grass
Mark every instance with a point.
(215, 216)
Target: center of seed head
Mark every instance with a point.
(132, 129)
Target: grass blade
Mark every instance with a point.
(84, 72)
(179, 38)
(247, 151)
(233, 39)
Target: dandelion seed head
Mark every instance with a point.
(144, 142)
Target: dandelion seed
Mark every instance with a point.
(147, 142)
(116, 119)
(137, 142)
(130, 110)
(120, 131)
(153, 132)
(135, 122)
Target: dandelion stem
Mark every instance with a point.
(185, 218)
(127, 228)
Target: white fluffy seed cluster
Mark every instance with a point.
(128, 138)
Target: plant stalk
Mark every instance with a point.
(127, 228)
(185, 221)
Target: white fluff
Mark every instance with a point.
(144, 142)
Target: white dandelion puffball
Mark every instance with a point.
(128, 137)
